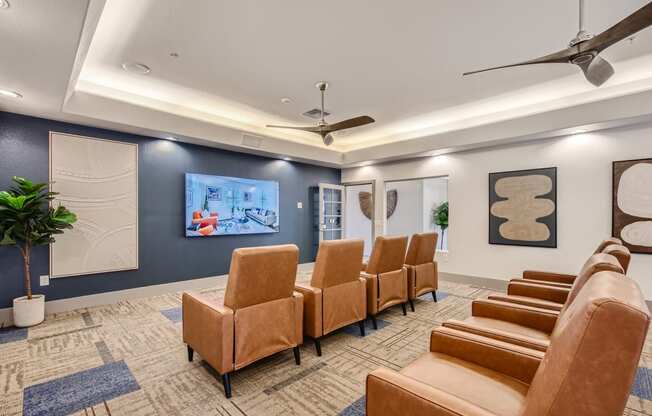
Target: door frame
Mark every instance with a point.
(322, 219)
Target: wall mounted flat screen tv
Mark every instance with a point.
(222, 205)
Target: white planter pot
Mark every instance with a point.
(29, 312)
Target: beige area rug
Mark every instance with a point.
(129, 359)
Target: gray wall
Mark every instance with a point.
(165, 254)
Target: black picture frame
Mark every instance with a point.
(619, 218)
(550, 220)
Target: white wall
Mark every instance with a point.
(583, 197)
(356, 225)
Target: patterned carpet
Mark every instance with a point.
(128, 359)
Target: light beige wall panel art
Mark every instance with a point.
(97, 180)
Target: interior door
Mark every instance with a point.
(331, 211)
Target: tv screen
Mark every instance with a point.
(222, 205)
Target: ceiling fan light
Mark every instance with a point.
(328, 139)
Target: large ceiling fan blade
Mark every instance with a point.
(553, 58)
(597, 71)
(350, 123)
(311, 129)
(627, 27)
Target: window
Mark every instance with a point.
(412, 204)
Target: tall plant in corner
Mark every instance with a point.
(27, 220)
(440, 217)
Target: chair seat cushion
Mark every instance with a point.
(528, 301)
(498, 393)
(507, 327)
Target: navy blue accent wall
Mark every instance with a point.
(165, 254)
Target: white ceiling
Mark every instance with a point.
(399, 62)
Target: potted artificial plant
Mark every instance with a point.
(27, 220)
(440, 217)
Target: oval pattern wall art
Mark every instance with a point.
(632, 204)
(523, 208)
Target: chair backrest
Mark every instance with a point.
(387, 255)
(620, 252)
(609, 241)
(261, 274)
(338, 261)
(594, 351)
(421, 249)
(596, 263)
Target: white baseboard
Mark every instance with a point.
(108, 298)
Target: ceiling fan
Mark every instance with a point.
(324, 129)
(585, 48)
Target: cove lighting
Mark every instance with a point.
(10, 94)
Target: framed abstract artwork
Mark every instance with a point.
(631, 219)
(523, 208)
(97, 180)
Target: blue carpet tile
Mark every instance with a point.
(78, 391)
(441, 295)
(355, 409)
(643, 383)
(175, 314)
(12, 334)
(355, 329)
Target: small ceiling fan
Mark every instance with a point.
(324, 129)
(585, 48)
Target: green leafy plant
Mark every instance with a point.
(440, 217)
(27, 220)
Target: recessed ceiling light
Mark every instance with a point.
(286, 100)
(136, 68)
(4, 4)
(11, 94)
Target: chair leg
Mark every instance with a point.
(404, 308)
(361, 325)
(411, 305)
(373, 321)
(318, 347)
(297, 355)
(226, 382)
(434, 295)
(190, 353)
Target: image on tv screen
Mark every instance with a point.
(222, 205)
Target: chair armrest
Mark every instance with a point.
(312, 309)
(372, 292)
(298, 313)
(551, 293)
(536, 318)
(391, 394)
(513, 360)
(549, 277)
(543, 283)
(364, 266)
(208, 328)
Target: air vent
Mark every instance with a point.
(251, 141)
(315, 113)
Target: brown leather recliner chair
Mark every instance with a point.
(261, 314)
(336, 295)
(567, 279)
(526, 325)
(470, 375)
(552, 295)
(421, 266)
(386, 276)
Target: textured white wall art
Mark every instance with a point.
(632, 210)
(97, 180)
